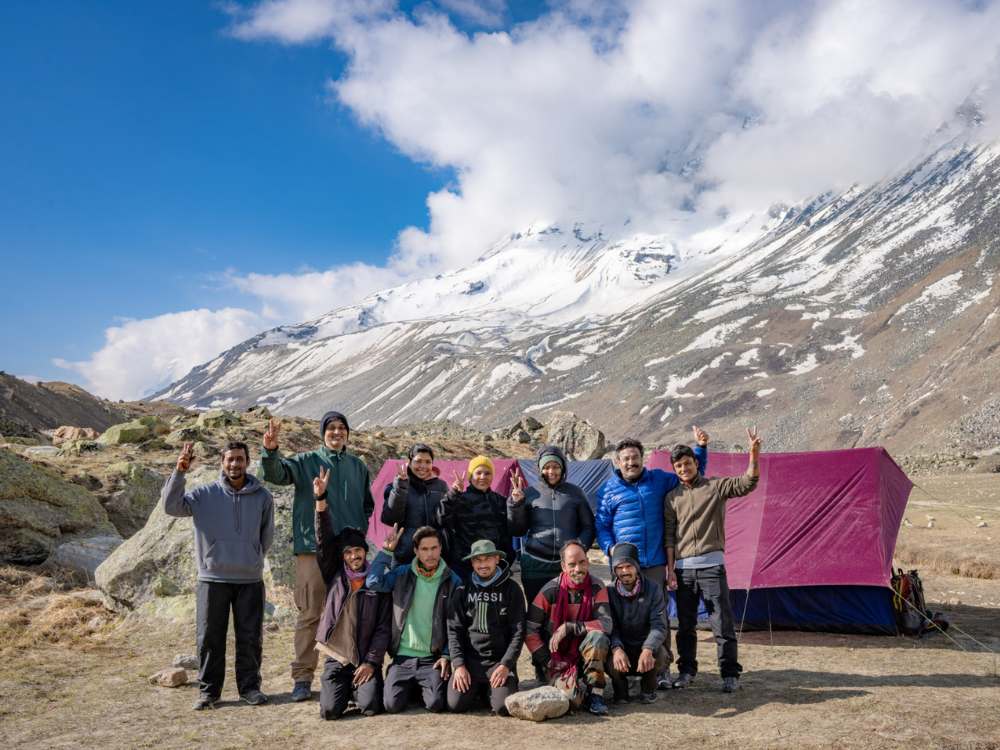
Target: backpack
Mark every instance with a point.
(912, 615)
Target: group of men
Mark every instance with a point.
(439, 598)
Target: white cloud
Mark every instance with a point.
(140, 356)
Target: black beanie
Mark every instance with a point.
(329, 417)
(352, 537)
(624, 552)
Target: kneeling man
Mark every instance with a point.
(356, 622)
(485, 632)
(420, 597)
(567, 629)
(640, 636)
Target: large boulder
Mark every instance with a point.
(85, 553)
(137, 494)
(127, 432)
(158, 560)
(546, 702)
(67, 433)
(39, 509)
(579, 439)
(215, 418)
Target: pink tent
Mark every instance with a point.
(378, 531)
(821, 519)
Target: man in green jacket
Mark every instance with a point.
(349, 499)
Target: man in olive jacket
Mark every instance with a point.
(695, 537)
(350, 502)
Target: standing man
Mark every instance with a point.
(568, 626)
(420, 597)
(233, 528)
(414, 499)
(485, 632)
(356, 623)
(548, 518)
(349, 499)
(639, 638)
(695, 521)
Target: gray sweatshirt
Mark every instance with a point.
(233, 529)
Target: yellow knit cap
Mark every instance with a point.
(478, 461)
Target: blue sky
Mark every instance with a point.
(178, 176)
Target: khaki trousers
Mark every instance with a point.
(310, 595)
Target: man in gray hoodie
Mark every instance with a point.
(233, 528)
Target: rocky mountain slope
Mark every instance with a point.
(28, 408)
(858, 318)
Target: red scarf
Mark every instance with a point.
(569, 648)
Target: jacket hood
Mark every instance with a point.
(504, 569)
(252, 484)
(552, 450)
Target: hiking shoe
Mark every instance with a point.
(302, 691)
(663, 680)
(204, 702)
(597, 706)
(647, 698)
(683, 680)
(730, 684)
(254, 698)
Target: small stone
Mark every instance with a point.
(542, 703)
(982, 525)
(907, 522)
(173, 677)
(185, 661)
(272, 627)
(930, 524)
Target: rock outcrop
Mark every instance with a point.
(578, 438)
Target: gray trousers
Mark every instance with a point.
(480, 690)
(709, 584)
(336, 688)
(406, 674)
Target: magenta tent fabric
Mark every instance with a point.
(816, 519)
(378, 531)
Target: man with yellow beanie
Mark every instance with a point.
(474, 511)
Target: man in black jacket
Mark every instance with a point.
(414, 500)
(639, 644)
(355, 624)
(485, 632)
(420, 595)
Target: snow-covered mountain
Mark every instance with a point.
(861, 317)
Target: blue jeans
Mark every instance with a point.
(710, 585)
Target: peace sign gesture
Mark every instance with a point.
(389, 545)
(186, 457)
(271, 433)
(700, 436)
(517, 485)
(319, 483)
(457, 482)
(755, 440)
(401, 472)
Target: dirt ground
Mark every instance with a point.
(71, 675)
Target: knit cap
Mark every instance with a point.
(624, 552)
(478, 461)
(329, 417)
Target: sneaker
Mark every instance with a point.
(683, 680)
(597, 705)
(663, 680)
(254, 698)
(730, 684)
(648, 698)
(204, 702)
(302, 691)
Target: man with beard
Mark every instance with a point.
(567, 630)
(349, 501)
(233, 528)
(414, 500)
(356, 623)
(419, 642)
(548, 518)
(485, 632)
(639, 614)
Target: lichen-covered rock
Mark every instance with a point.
(84, 554)
(214, 418)
(139, 491)
(542, 703)
(127, 432)
(39, 509)
(578, 438)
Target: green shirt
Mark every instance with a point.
(415, 640)
(348, 491)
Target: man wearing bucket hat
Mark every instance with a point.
(639, 637)
(485, 632)
(474, 512)
(551, 514)
(349, 497)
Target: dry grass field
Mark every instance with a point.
(73, 675)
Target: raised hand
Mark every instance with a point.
(517, 485)
(401, 473)
(271, 434)
(389, 545)
(457, 482)
(187, 456)
(320, 482)
(755, 441)
(700, 436)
